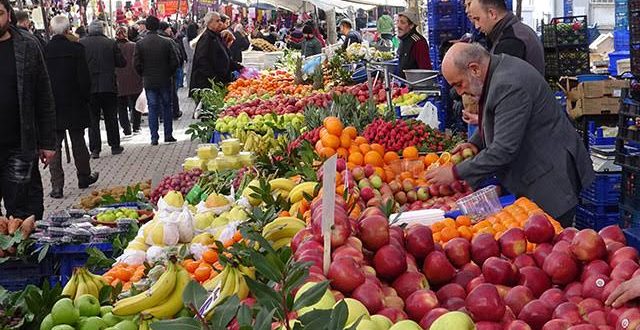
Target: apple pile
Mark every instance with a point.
(182, 182)
(279, 104)
(403, 274)
(361, 92)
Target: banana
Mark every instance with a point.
(242, 289)
(97, 279)
(297, 193)
(219, 279)
(282, 184)
(281, 242)
(173, 303)
(82, 286)
(152, 297)
(91, 286)
(71, 287)
(295, 207)
(229, 287)
(283, 227)
(281, 222)
(249, 271)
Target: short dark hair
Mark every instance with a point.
(10, 11)
(164, 25)
(497, 4)
(152, 23)
(22, 15)
(307, 29)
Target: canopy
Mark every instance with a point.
(295, 5)
(391, 3)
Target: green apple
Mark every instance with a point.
(111, 319)
(63, 327)
(87, 305)
(126, 325)
(91, 323)
(407, 325)
(356, 309)
(367, 325)
(47, 323)
(453, 320)
(381, 321)
(105, 309)
(63, 312)
(326, 302)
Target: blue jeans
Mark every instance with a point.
(159, 104)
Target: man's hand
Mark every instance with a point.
(465, 145)
(46, 156)
(626, 291)
(469, 118)
(441, 175)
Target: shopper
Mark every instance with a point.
(506, 34)
(192, 33)
(211, 59)
(166, 32)
(24, 23)
(310, 45)
(81, 32)
(351, 36)
(413, 52)
(27, 118)
(524, 138)
(129, 86)
(156, 61)
(103, 56)
(142, 29)
(240, 44)
(385, 26)
(71, 85)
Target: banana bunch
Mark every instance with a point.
(265, 143)
(282, 187)
(162, 301)
(231, 282)
(280, 231)
(83, 282)
(297, 193)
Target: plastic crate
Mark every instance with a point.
(586, 218)
(605, 189)
(630, 189)
(633, 237)
(621, 39)
(634, 27)
(614, 58)
(72, 256)
(629, 217)
(598, 208)
(17, 274)
(217, 137)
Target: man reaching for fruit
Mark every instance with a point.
(524, 138)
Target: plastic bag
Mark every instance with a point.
(159, 233)
(132, 257)
(228, 231)
(197, 250)
(141, 103)
(155, 254)
(310, 65)
(185, 225)
(429, 115)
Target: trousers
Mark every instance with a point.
(105, 103)
(80, 158)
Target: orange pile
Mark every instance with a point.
(125, 274)
(208, 266)
(512, 216)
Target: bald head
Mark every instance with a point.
(465, 67)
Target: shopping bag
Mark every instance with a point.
(429, 115)
(141, 103)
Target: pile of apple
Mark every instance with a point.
(403, 274)
(361, 92)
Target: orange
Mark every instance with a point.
(437, 237)
(356, 158)
(431, 158)
(465, 232)
(390, 156)
(210, 256)
(331, 141)
(463, 220)
(202, 273)
(373, 158)
(333, 125)
(323, 132)
(448, 222)
(124, 274)
(342, 153)
(437, 226)
(350, 131)
(364, 148)
(498, 227)
(345, 141)
(379, 148)
(449, 233)
(319, 146)
(360, 140)
(410, 152)
(389, 175)
(327, 152)
(354, 148)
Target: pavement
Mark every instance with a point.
(140, 161)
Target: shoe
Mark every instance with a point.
(177, 115)
(136, 131)
(56, 193)
(127, 136)
(95, 154)
(170, 139)
(117, 150)
(154, 143)
(86, 182)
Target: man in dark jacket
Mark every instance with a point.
(505, 33)
(240, 44)
(211, 59)
(27, 118)
(24, 23)
(524, 138)
(413, 52)
(103, 57)
(310, 45)
(156, 61)
(351, 36)
(129, 86)
(71, 85)
(166, 32)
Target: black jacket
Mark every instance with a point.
(240, 44)
(156, 60)
(103, 57)
(353, 37)
(511, 36)
(211, 60)
(70, 82)
(37, 112)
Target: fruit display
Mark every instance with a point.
(182, 182)
(83, 282)
(115, 214)
(242, 123)
(399, 134)
(82, 313)
(96, 198)
(265, 86)
(125, 274)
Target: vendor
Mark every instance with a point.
(351, 36)
(413, 51)
(523, 138)
(310, 45)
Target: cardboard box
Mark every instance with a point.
(598, 89)
(594, 106)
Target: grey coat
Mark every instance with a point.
(526, 139)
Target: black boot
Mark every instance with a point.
(87, 181)
(56, 193)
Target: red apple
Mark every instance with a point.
(573, 290)
(556, 324)
(484, 303)
(588, 246)
(389, 262)
(345, 275)
(566, 234)
(589, 305)
(484, 246)
(595, 267)
(463, 277)
(499, 271)
(412, 266)
(370, 295)
(419, 303)
(517, 325)
(609, 288)
(614, 314)
(451, 290)
(561, 268)
(624, 253)
(624, 270)
(437, 268)
(535, 279)
(454, 304)
(474, 283)
(568, 311)
(541, 252)
(613, 246)
(486, 325)
(419, 241)
(433, 314)
(347, 251)
(562, 246)
(613, 233)
(473, 268)
(374, 232)
(409, 282)
(535, 314)
(539, 229)
(629, 319)
(593, 286)
(517, 297)
(394, 302)
(458, 250)
(553, 297)
(524, 260)
(597, 318)
(393, 314)
(300, 237)
(396, 233)
(513, 243)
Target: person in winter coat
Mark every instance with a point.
(129, 86)
(413, 52)
(240, 44)
(192, 33)
(351, 36)
(71, 85)
(103, 57)
(310, 45)
(166, 31)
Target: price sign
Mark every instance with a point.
(328, 206)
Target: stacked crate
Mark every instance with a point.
(566, 47)
(633, 20)
(628, 157)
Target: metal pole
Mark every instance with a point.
(178, 11)
(387, 87)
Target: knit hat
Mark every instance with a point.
(411, 16)
(97, 26)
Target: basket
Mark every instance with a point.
(633, 237)
(17, 274)
(481, 203)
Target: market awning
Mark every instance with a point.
(391, 3)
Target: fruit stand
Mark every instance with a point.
(305, 207)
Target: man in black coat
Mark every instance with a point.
(211, 59)
(27, 119)
(103, 57)
(156, 61)
(71, 85)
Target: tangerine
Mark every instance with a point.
(390, 156)
(331, 141)
(202, 273)
(342, 153)
(449, 233)
(410, 152)
(431, 158)
(463, 220)
(465, 232)
(437, 226)
(333, 125)
(448, 222)
(356, 158)
(327, 152)
(210, 256)
(379, 148)
(360, 140)
(323, 132)
(350, 131)
(345, 141)
(373, 158)
(364, 148)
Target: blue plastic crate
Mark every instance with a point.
(217, 137)
(633, 237)
(17, 274)
(72, 256)
(614, 58)
(605, 189)
(621, 40)
(629, 217)
(598, 208)
(586, 218)
(444, 7)
(630, 189)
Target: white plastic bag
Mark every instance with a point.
(429, 115)
(185, 225)
(141, 103)
(132, 257)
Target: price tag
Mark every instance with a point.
(211, 301)
(328, 207)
